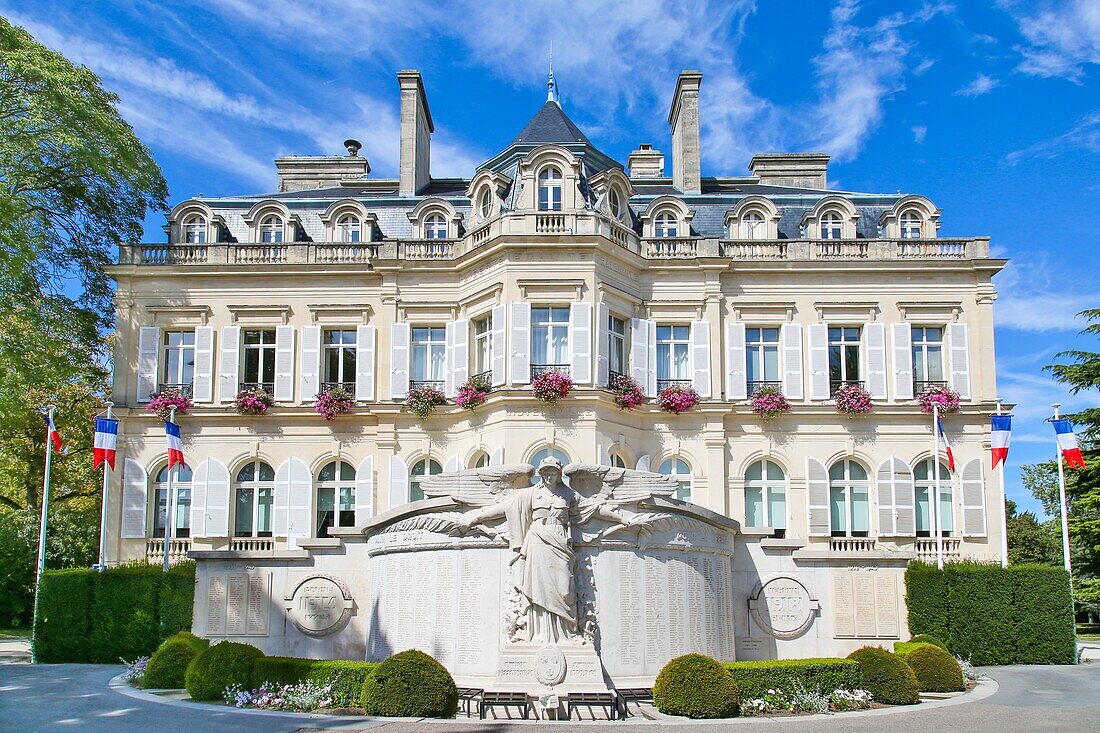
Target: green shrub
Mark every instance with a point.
(929, 639)
(901, 648)
(217, 667)
(167, 667)
(696, 686)
(1044, 632)
(926, 600)
(886, 676)
(345, 678)
(126, 607)
(177, 599)
(410, 684)
(981, 622)
(754, 679)
(935, 668)
(63, 628)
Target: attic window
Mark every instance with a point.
(194, 229)
(550, 185)
(485, 203)
(752, 226)
(349, 228)
(271, 229)
(831, 226)
(666, 225)
(615, 203)
(910, 225)
(435, 227)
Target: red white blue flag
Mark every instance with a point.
(946, 445)
(1067, 443)
(175, 444)
(51, 433)
(1000, 437)
(106, 438)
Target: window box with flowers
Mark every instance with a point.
(551, 386)
(852, 399)
(474, 392)
(166, 400)
(938, 395)
(677, 399)
(334, 402)
(768, 402)
(253, 401)
(423, 399)
(628, 393)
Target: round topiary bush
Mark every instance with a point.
(167, 668)
(217, 667)
(410, 684)
(929, 639)
(886, 676)
(696, 686)
(936, 670)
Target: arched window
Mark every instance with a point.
(546, 453)
(335, 497)
(479, 460)
(681, 471)
(181, 487)
(485, 203)
(925, 483)
(194, 229)
(666, 225)
(617, 461)
(271, 229)
(910, 225)
(849, 500)
(753, 226)
(254, 499)
(349, 228)
(831, 225)
(766, 496)
(615, 204)
(435, 227)
(550, 186)
(423, 467)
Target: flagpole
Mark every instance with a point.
(103, 511)
(936, 484)
(45, 509)
(1004, 506)
(169, 518)
(1062, 499)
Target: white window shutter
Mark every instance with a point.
(399, 482)
(280, 513)
(580, 342)
(973, 499)
(603, 455)
(603, 345)
(817, 498)
(496, 458)
(902, 338)
(364, 491)
(147, 362)
(736, 387)
(448, 359)
(216, 485)
(651, 358)
(460, 362)
(202, 385)
(790, 341)
(819, 361)
(874, 349)
(300, 514)
(135, 499)
(699, 357)
(199, 480)
(895, 498)
(520, 362)
(454, 463)
(958, 348)
(284, 363)
(498, 346)
(229, 363)
(643, 463)
(311, 363)
(639, 353)
(905, 500)
(365, 339)
(400, 341)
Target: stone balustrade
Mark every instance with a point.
(252, 544)
(177, 550)
(926, 549)
(851, 544)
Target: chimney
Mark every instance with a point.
(416, 133)
(798, 170)
(302, 172)
(684, 118)
(645, 162)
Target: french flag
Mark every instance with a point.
(106, 438)
(1000, 437)
(51, 433)
(175, 444)
(1067, 442)
(946, 445)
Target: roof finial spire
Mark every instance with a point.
(551, 86)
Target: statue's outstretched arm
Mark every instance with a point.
(484, 514)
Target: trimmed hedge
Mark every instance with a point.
(823, 675)
(63, 626)
(1022, 614)
(901, 648)
(410, 684)
(167, 668)
(928, 639)
(696, 686)
(217, 667)
(936, 669)
(886, 676)
(344, 677)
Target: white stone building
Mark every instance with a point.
(552, 255)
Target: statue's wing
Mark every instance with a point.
(621, 485)
(477, 487)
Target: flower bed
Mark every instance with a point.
(677, 399)
(628, 393)
(334, 402)
(303, 696)
(473, 393)
(768, 402)
(937, 395)
(852, 399)
(422, 400)
(552, 386)
(253, 401)
(163, 401)
(799, 699)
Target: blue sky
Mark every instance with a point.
(991, 109)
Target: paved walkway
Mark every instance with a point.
(64, 697)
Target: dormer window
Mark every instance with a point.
(194, 230)
(349, 228)
(550, 187)
(910, 225)
(615, 203)
(435, 227)
(666, 225)
(831, 225)
(485, 204)
(271, 229)
(753, 226)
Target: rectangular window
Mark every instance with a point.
(850, 510)
(550, 337)
(339, 359)
(616, 345)
(259, 359)
(672, 356)
(927, 357)
(178, 364)
(483, 345)
(429, 350)
(843, 356)
(762, 357)
(182, 526)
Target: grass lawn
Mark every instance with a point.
(15, 633)
(1088, 632)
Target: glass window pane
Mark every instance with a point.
(438, 356)
(242, 525)
(775, 473)
(326, 500)
(263, 511)
(247, 473)
(680, 362)
(924, 505)
(777, 508)
(683, 491)
(347, 498)
(856, 471)
(754, 507)
(755, 472)
(328, 473)
(267, 473)
(771, 364)
(837, 521)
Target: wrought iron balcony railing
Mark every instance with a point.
(537, 370)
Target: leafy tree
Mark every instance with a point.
(1032, 541)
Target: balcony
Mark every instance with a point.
(187, 390)
(177, 550)
(663, 384)
(665, 248)
(926, 548)
(755, 385)
(268, 387)
(836, 384)
(537, 370)
(919, 385)
(329, 386)
(851, 544)
(436, 384)
(426, 249)
(252, 544)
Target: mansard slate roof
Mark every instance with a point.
(551, 125)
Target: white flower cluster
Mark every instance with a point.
(802, 700)
(135, 670)
(304, 696)
(969, 673)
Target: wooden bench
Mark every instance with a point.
(632, 694)
(506, 700)
(605, 700)
(467, 698)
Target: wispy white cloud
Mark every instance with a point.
(981, 84)
(1032, 296)
(919, 132)
(1063, 36)
(1084, 136)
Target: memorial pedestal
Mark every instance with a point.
(548, 669)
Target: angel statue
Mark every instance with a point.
(540, 520)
